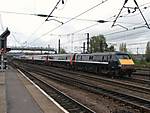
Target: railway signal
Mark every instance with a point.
(3, 48)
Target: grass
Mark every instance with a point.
(142, 63)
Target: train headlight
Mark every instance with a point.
(119, 65)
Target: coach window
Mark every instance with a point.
(90, 57)
(80, 57)
(103, 58)
(94, 58)
(110, 57)
(107, 58)
(100, 58)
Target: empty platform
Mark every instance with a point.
(19, 95)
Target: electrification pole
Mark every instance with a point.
(88, 42)
(83, 47)
(59, 46)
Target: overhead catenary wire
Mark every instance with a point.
(122, 31)
(107, 20)
(116, 38)
(66, 18)
(16, 39)
(65, 2)
(143, 10)
(137, 7)
(37, 29)
(55, 7)
(113, 33)
(103, 1)
(77, 31)
(62, 17)
(95, 24)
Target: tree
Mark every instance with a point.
(98, 44)
(123, 47)
(62, 51)
(147, 55)
(111, 48)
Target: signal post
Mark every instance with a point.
(3, 48)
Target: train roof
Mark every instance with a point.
(57, 55)
(98, 53)
(70, 54)
(106, 53)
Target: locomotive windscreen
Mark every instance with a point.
(123, 56)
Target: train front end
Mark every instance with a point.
(126, 64)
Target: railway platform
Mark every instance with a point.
(19, 95)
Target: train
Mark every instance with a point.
(110, 63)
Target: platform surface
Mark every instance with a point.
(18, 98)
(19, 95)
(3, 108)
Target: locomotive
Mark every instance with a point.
(111, 63)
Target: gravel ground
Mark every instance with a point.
(98, 103)
(141, 77)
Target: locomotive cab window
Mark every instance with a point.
(123, 56)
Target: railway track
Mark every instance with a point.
(127, 81)
(115, 84)
(141, 82)
(134, 84)
(71, 105)
(142, 71)
(145, 68)
(133, 100)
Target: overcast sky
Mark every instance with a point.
(29, 30)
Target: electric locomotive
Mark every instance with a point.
(112, 63)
